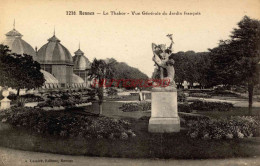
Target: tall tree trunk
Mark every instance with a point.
(250, 97)
(18, 92)
(100, 108)
(100, 97)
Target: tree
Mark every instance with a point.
(234, 61)
(203, 66)
(101, 70)
(191, 66)
(123, 71)
(179, 67)
(19, 71)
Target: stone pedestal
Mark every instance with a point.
(164, 117)
(5, 103)
(185, 85)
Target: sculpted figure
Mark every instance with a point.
(164, 65)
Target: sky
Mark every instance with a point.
(127, 38)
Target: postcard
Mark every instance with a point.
(129, 82)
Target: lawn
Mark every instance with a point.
(235, 111)
(144, 145)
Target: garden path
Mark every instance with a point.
(10, 157)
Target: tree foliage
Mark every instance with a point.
(101, 70)
(191, 66)
(234, 61)
(19, 71)
(122, 70)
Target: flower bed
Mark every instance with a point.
(223, 93)
(181, 97)
(65, 94)
(58, 99)
(65, 124)
(27, 98)
(203, 95)
(131, 107)
(210, 106)
(112, 91)
(182, 107)
(115, 97)
(225, 128)
(70, 102)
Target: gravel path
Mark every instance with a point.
(10, 157)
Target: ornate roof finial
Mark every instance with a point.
(14, 24)
(54, 31)
(79, 52)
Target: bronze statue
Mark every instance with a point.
(162, 61)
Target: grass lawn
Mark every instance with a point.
(111, 109)
(236, 111)
(144, 145)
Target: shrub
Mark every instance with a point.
(64, 96)
(69, 102)
(146, 106)
(66, 124)
(223, 93)
(211, 106)
(20, 102)
(112, 91)
(184, 108)
(185, 118)
(131, 107)
(240, 89)
(226, 128)
(181, 96)
(204, 95)
(12, 97)
(115, 97)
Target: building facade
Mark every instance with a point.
(81, 65)
(56, 61)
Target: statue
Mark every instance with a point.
(162, 61)
(164, 112)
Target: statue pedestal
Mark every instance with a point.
(164, 118)
(5, 103)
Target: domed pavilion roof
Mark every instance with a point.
(77, 79)
(17, 45)
(49, 78)
(80, 61)
(54, 52)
